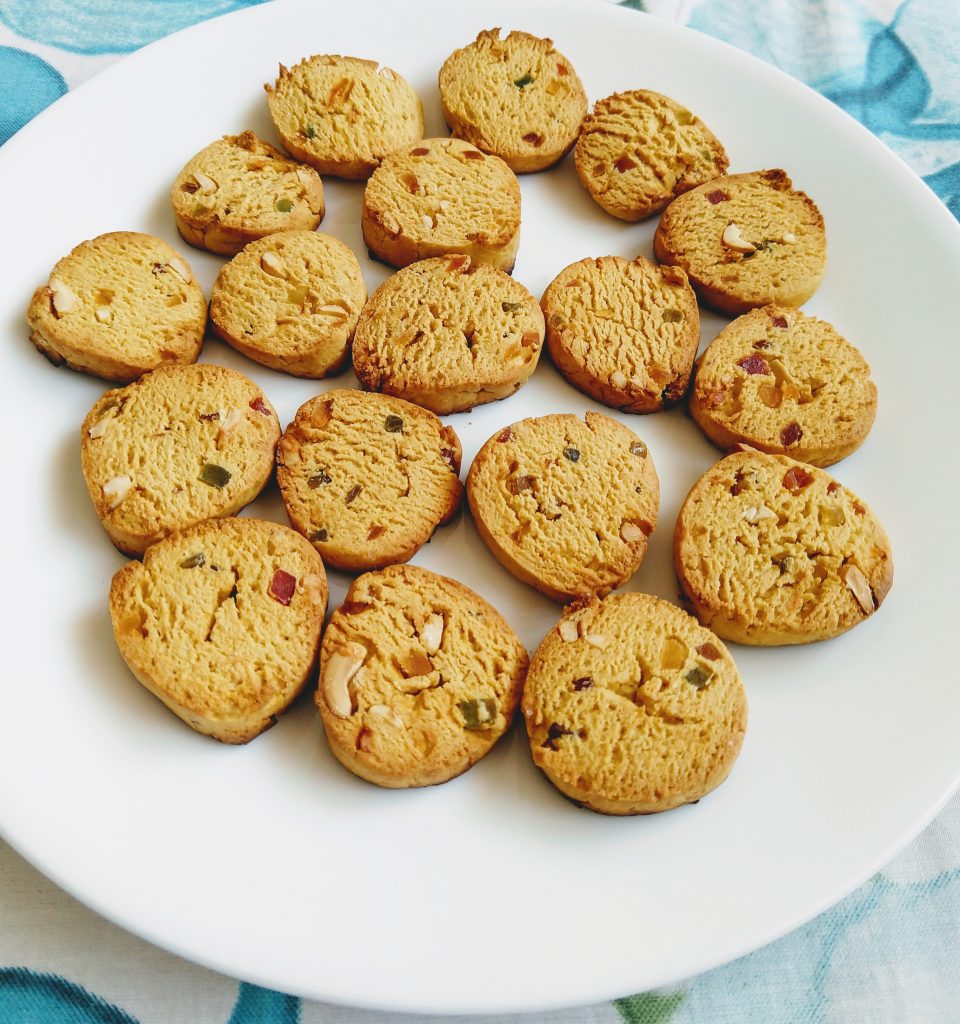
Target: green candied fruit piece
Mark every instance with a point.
(310, 132)
(510, 307)
(194, 561)
(698, 677)
(283, 205)
(524, 81)
(573, 454)
(478, 714)
(214, 475)
(320, 535)
(672, 316)
(393, 425)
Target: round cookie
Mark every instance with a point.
(290, 301)
(182, 444)
(419, 677)
(442, 196)
(565, 504)
(448, 335)
(771, 551)
(784, 383)
(745, 240)
(366, 478)
(632, 706)
(239, 189)
(222, 623)
(624, 332)
(118, 306)
(517, 98)
(638, 150)
(343, 115)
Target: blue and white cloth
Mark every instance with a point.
(888, 952)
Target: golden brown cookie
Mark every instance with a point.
(632, 706)
(638, 150)
(182, 444)
(343, 115)
(745, 240)
(566, 504)
(771, 551)
(367, 478)
(222, 623)
(442, 196)
(623, 331)
(785, 383)
(118, 306)
(290, 301)
(239, 189)
(419, 677)
(518, 98)
(448, 334)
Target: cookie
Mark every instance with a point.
(419, 677)
(343, 115)
(442, 196)
(366, 478)
(118, 306)
(745, 240)
(638, 150)
(239, 189)
(624, 332)
(784, 383)
(565, 504)
(517, 98)
(290, 301)
(632, 706)
(182, 444)
(771, 551)
(222, 623)
(448, 334)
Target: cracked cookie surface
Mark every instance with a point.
(631, 706)
(448, 334)
(784, 383)
(368, 478)
(182, 444)
(623, 331)
(222, 623)
(240, 188)
(565, 504)
(419, 677)
(772, 551)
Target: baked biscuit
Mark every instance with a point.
(442, 196)
(222, 622)
(182, 444)
(771, 551)
(419, 677)
(632, 706)
(448, 335)
(118, 306)
(784, 383)
(290, 301)
(239, 189)
(745, 240)
(565, 504)
(623, 331)
(343, 115)
(366, 478)
(638, 150)
(517, 98)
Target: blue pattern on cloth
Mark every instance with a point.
(27, 85)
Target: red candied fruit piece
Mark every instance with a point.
(790, 434)
(717, 196)
(282, 586)
(832, 487)
(780, 321)
(796, 479)
(504, 435)
(260, 406)
(754, 364)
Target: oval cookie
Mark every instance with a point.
(623, 331)
(448, 334)
(182, 444)
(632, 706)
(419, 677)
(566, 504)
(118, 306)
(442, 196)
(785, 383)
(366, 478)
(771, 551)
(222, 623)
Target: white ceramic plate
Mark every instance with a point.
(271, 863)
